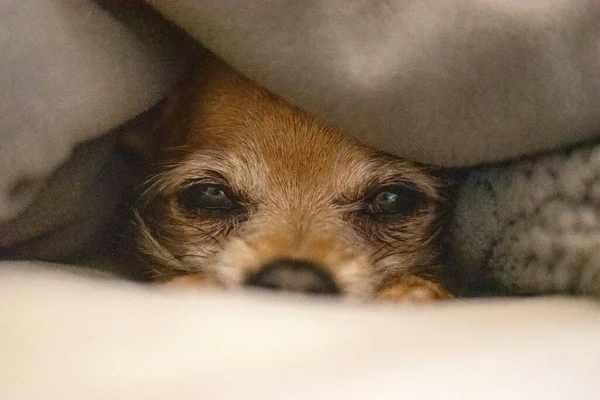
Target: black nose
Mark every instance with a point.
(294, 276)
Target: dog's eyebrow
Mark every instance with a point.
(382, 170)
(370, 188)
(212, 175)
(204, 164)
(219, 166)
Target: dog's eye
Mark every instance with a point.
(208, 197)
(395, 201)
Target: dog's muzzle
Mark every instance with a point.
(293, 275)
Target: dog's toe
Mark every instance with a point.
(413, 289)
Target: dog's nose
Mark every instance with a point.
(294, 276)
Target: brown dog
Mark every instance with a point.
(254, 191)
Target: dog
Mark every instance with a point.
(252, 191)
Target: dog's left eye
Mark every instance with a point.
(401, 200)
(208, 197)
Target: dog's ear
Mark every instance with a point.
(141, 137)
(163, 132)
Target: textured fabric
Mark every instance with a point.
(532, 227)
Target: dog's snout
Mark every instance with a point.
(294, 276)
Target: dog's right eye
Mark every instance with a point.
(207, 197)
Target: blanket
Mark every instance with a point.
(103, 340)
(449, 83)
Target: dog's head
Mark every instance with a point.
(255, 191)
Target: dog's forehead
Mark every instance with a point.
(288, 151)
(253, 134)
(291, 142)
(233, 116)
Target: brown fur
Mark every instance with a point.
(303, 185)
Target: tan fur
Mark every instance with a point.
(302, 182)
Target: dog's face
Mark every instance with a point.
(257, 192)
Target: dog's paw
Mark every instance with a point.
(412, 289)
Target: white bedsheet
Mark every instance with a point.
(68, 337)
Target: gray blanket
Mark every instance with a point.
(451, 83)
